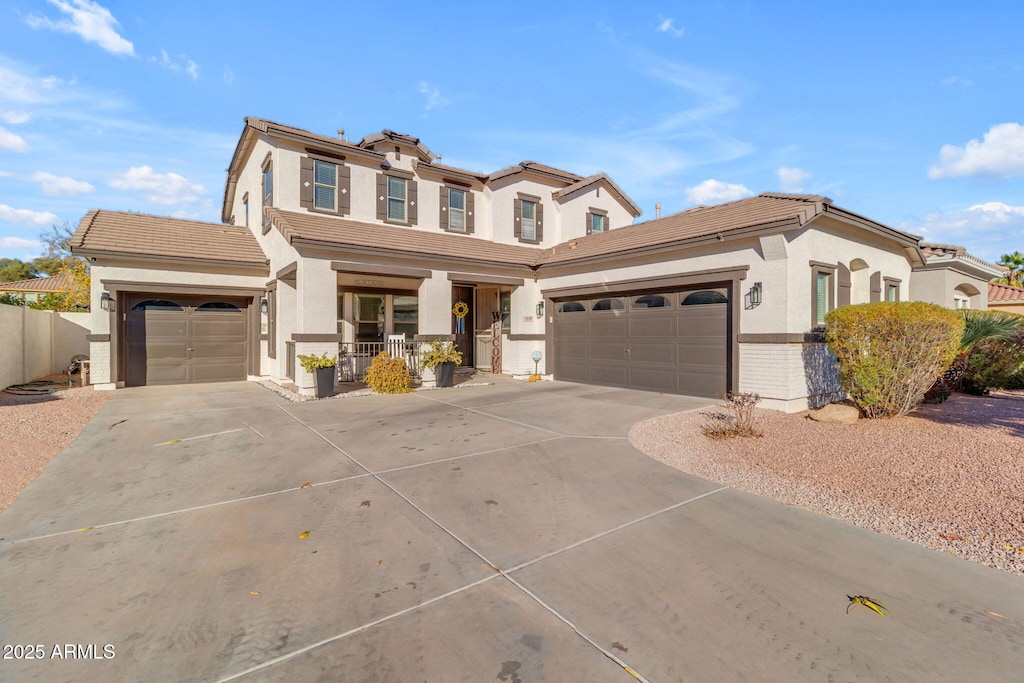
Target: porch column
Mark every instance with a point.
(316, 316)
(435, 314)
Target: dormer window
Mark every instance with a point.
(597, 221)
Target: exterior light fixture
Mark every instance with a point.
(106, 303)
(755, 294)
(540, 309)
(264, 306)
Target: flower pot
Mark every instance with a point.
(445, 374)
(323, 379)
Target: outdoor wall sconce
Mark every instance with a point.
(540, 309)
(755, 294)
(106, 303)
(264, 306)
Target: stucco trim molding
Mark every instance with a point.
(380, 269)
(485, 279)
(682, 280)
(527, 337)
(781, 338)
(157, 287)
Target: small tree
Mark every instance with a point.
(76, 294)
(1014, 264)
(891, 352)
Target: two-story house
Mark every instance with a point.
(330, 246)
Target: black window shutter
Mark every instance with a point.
(517, 223)
(540, 222)
(843, 295)
(306, 183)
(876, 286)
(469, 213)
(590, 223)
(344, 189)
(444, 208)
(382, 197)
(411, 203)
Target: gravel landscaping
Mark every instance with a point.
(948, 477)
(33, 429)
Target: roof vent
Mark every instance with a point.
(437, 158)
(341, 133)
(657, 211)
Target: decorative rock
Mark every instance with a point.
(836, 413)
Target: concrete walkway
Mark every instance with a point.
(505, 532)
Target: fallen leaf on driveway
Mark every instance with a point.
(995, 614)
(254, 592)
(380, 562)
(86, 528)
(305, 486)
(304, 534)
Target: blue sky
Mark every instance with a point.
(911, 116)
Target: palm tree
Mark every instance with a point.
(980, 328)
(1014, 264)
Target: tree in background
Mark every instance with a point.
(11, 270)
(59, 256)
(1014, 264)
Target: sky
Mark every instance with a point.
(911, 114)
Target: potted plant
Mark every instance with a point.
(441, 356)
(322, 367)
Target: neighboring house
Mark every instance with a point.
(329, 245)
(1005, 298)
(31, 290)
(952, 278)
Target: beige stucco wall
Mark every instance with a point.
(1008, 306)
(37, 343)
(937, 285)
(574, 209)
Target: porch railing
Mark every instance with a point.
(355, 357)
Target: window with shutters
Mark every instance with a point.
(822, 293)
(268, 191)
(396, 199)
(325, 185)
(597, 221)
(528, 225)
(456, 210)
(892, 289)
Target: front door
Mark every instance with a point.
(463, 325)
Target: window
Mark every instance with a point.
(219, 306)
(456, 210)
(369, 317)
(272, 322)
(245, 207)
(961, 301)
(325, 185)
(822, 299)
(598, 223)
(156, 305)
(892, 292)
(650, 301)
(571, 307)
(406, 315)
(608, 305)
(341, 310)
(396, 199)
(268, 191)
(708, 296)
(505, 304)
(528, 225)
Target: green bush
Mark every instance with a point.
(891, 352)
(993, 364)
(387, 375)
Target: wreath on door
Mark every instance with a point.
(460, 310)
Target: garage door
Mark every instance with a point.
(676, 341)
(182, 340)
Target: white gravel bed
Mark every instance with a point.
(33, 429)
(948, 477)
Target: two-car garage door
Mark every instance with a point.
(677, 341)
(185, 339)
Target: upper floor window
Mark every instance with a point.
(597, 221)
(528, 229)
(245, 207)
(456, 210)
(268, 191)
(325, 185)
(396, 199)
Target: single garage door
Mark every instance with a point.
(184, 340)
(677, 341)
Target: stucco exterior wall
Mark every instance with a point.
(574, 211)
(37, 343)
(938, 285)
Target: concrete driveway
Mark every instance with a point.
(492, 533)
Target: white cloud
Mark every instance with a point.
(669, 26)
(19, 243)
(25, 89)
(60, 185)
(433, 95)
(12, 142)
(986, 230)
(715, 192)
(15, 117)
(229, 75)
(26, 216)
(1000, 153)
(93, 22)
(181, 65)
(167, 189)
(792, 179)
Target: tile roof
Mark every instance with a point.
(346, 232)
(700, 221)
(597, 178)
(542, 169)
(54, 283)
(955, 251)
(1000, 292)
(138, 234)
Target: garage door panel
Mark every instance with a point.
(709, 353)
(571, 348)
(572, 327)
(701, 380)
(211, 371)
(572, 370)
(609, 374)
(652, 378)
(646, 352)
(227, 350)
(608, 350)
(165, 372)
(203, 326)
(644, 324)
(609, 327)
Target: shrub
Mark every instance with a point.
(439, 351)
(313, 361)
(387, 375)
(739, 418)
(993, 364)
(985, 359)
(891, 352)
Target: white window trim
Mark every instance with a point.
(334, 187)
(532, 222)
(404, 199)
(453, 211)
